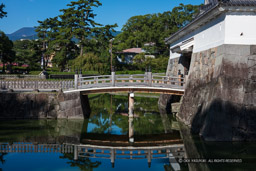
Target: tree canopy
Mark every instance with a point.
(154, 28)
(2, 12)
(149, 32)
(75, 32)
(75, 39)
(27, 52)
(6, 50)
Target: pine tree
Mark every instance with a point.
(79, 20)
(2, 12)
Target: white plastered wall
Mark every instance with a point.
(208, 36)
(241, 28)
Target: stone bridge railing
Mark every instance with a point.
(138, 80)
(36, 84)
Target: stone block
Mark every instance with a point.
(240, 50)
(253, 50)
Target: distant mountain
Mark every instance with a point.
(116, 33)
(23, 33)
(31, 34)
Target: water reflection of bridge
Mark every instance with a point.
(139, 140)
(171, 152)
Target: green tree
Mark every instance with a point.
(152, 29)
(79, 19)
(89, 62)
(75, 32)
(142, 61)
(56, 41)
(97, 57)
(28, 52)
(100, 44)
(46, 30)
(6, 50)
(2, 12)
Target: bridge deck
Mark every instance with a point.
(141, 89)
(146, 83)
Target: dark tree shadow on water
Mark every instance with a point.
(84, 164)
(2, 157)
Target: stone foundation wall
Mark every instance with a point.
(169, 103)
(220, 96)
(43, 106)
(174, 67)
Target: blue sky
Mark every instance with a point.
(26, 13)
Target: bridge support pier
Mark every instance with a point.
(75, 152)
(76, 80)
(131, 115)
(131, 130)
(131, 103)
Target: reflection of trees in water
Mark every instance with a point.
(102, 121)
(103, 104)
(2, 158)
(40, 130)
(84, 164)
(108, 110)
(146, 124)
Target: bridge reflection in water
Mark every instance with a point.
(108, 146)
(112, 133)
(171, 152)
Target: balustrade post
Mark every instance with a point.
(112, 157)
(146, 76)
(149, 158)
(180, 78)
(80, 78)
(76, 79)
(113, 77)
(149, 77)
(75, 152)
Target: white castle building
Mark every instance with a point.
(220, 22)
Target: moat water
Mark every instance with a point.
(110, 126)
